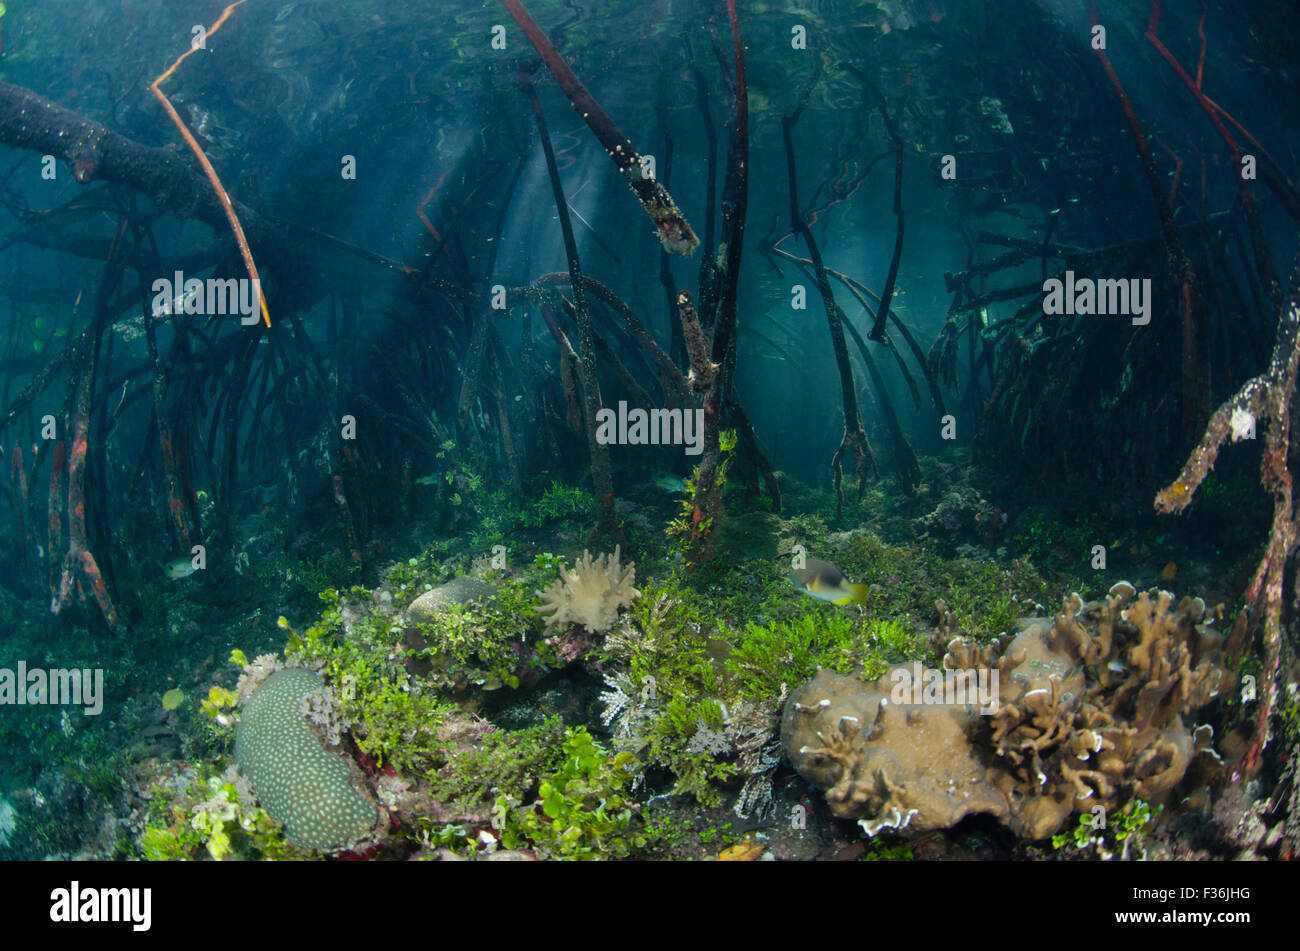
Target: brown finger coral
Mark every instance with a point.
(590, 594)
(1092, 708)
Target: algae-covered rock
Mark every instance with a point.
(296, 780)
(460, 590)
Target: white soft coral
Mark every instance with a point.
(590, 594)
(1243, 424)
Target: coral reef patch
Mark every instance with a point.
(1092, 710)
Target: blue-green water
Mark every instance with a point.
(926, 307)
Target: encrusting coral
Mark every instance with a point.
(892, 765)
(590, 594)
(1090, 710)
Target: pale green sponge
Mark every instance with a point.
(296, 780)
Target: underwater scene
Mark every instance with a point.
(677, 430)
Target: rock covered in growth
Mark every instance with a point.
(590, 594)
(1092, 709)
(296, 780)
(891, 765)
(460, 590)
(962, 515)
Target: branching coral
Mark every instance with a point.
(591, 594)
(1150, 665)
(1091, 710)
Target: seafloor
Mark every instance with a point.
(638, 713)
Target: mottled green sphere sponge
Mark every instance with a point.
(296, 780)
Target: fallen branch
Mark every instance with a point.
(95, 152)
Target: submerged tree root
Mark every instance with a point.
(674, 232)
(1268, 396)
(193, 143)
